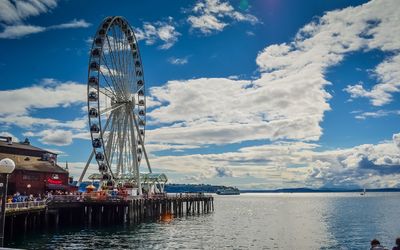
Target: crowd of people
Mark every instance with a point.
(18, 197)
(376, 245)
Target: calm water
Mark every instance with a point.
(252, 221)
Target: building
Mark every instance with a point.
(36, 170)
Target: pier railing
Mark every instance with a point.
(93, 197)
(25, 205)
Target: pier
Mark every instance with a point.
(87, 211)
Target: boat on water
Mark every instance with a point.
(364, 192)
(228, 191)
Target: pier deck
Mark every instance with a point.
(101, 211)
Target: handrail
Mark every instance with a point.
(90, 197)
(25, 205)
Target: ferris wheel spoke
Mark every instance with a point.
(117, 57)
(111, 74)
(113, 63)
(121, 51)
(117, 106)
(112, 89)
(107, 93)
(108, 144)
(128, 61)
(106, 126)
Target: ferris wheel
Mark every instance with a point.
(116, 104)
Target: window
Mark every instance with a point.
(30, 177)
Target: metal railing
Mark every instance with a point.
(99, 196)
(25, 205)
(84, 197)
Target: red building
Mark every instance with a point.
(36, 170)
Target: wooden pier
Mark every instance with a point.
(76, 210)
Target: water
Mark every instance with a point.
(251, 221)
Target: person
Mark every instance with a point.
(397, 247)
(376, 245)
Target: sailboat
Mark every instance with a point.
(364, 191)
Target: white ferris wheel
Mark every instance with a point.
(116, 105)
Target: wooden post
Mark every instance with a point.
(25, 223)
(89, 215)
(57, 218)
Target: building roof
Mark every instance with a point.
(41, 166)
(153, 177)
(23, 146)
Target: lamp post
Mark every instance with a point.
(7, 166)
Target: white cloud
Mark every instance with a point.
(206, 23)
(20, 101)
(8, 134)
(287, 101)
(21, 30)
(72, 24)
(17, 11)
(56, 137)
(56, 151)
(76, 169)
(49, 94)
(213, 15)
(291, 164)
(178, 61)
(236, 110)
(151, 147)
(396, 140)
(17, 31)
(376, 114)
(388, 74)
(164, 32)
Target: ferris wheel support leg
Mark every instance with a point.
(139, 182)
(86, 167)
(141, 143)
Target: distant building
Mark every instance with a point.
(36, 170)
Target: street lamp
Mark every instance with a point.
(7, 166)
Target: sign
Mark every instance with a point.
(51, 181)
(1, 184)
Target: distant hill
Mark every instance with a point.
(322, 190)
(206, 188)
(192, 188)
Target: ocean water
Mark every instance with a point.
(250, 221)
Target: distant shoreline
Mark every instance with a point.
(206, 188)
(306, 190)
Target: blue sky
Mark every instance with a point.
(255, 94)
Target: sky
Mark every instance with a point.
(253, 94)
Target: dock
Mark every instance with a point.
(87, 211)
